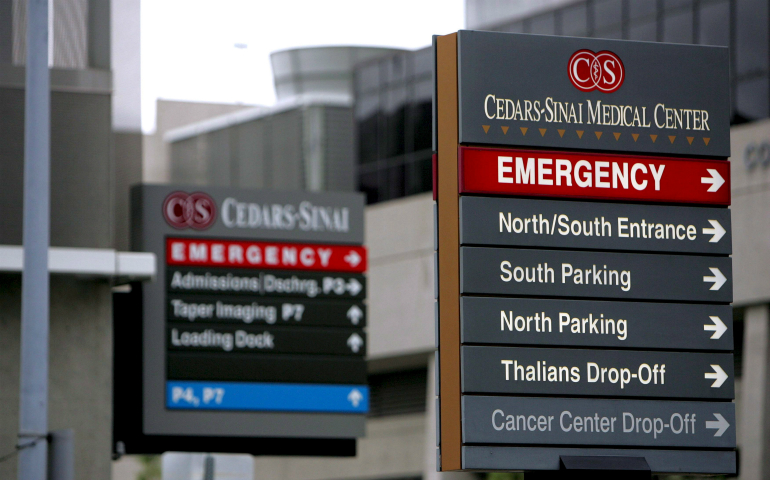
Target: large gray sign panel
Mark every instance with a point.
(162, 211)
(593, 94)
(548, 458)
(564, 273)
(583, 323)
(575, 421)
(614, 373)
(594, 226)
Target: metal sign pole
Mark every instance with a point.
(33, 405)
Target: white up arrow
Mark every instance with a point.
(720, 425)
(719, 376)
(718, 327)
(353, 258)
(355, 342)
(718, 279)
(715, 180)
(718, 231)
(355, 397)
(354, 286)
(355, 314)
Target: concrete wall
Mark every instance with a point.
(156, 166)
(302, 147)
(399, 236)
(81, 168)
(80, 376)
(750, 178)
(751, 223)
(82, 215)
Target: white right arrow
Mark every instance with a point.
(719, 279)
(355, 342)
(715, 180)
(718, 231)
(353, 258)
(354, 286)
(719, 376)
(355, 314)
(718, 327)
(721, 425)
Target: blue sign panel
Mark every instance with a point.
(291, 397)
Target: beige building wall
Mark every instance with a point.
(750, 178)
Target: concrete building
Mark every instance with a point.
(85, 198)
(346, 119)
(171, 115)
(304, 142)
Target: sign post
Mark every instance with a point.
(582, 255)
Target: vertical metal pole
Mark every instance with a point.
(209, 467)
(33, 405)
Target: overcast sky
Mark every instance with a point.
(189, 46)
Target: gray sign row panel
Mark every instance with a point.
(519, 222)
(565, 273)
(577, 421)
(607, 373)
(584, 323)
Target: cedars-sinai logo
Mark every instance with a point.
(601, 71)
(194, 210)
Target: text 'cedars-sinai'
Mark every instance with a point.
(305, 216)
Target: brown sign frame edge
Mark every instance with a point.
(449, 248)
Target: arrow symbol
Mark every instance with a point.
(355, 314)
(355, 342)
(353, 258)
(719, 376)
(720, 425)
(718, 231)
(353, 287)
(718, 327)
(355, 397)
(715, 180)
(718, 279)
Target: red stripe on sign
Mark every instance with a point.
(282, 256)
(593, 175)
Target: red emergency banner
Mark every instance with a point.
(593, 175)
(281, 256)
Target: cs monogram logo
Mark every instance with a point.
(603, 71)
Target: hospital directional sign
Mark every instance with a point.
(590, 323)
(260, 311)
(567, 273)
(255, 326)
(524, 222)
(593, 175)
(578, 372)
(637, 423)
(583, 277)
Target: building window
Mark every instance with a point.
(714, 24)
(394, 116)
